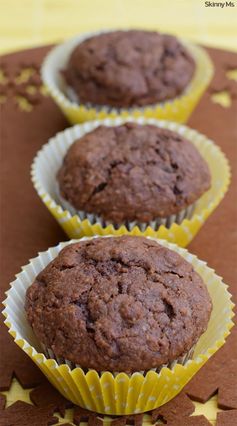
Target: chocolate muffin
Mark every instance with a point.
(132, 172)
(129, 68)
(118, 304)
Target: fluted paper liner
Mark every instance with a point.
(142, 226)
(119, 393)
(178, 109)
(49, 353)
(50, 157)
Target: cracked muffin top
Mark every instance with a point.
(129, 68)
(132, 172)
(118, 304)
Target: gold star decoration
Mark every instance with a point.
(26, 88)
(209, 409)
(222, 98)
(232, 74)
(67, 419)
(17, 393)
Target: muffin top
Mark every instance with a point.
(129, 68)
(118, 304)
(132, 172)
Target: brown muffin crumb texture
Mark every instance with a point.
(118, 304)
(132, 172)
(129, 68)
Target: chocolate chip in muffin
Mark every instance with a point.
(132, 172)
(129, 68)
(118, 304)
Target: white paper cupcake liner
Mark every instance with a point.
(119, 393)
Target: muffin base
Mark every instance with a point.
(49, 353)
(154, 224)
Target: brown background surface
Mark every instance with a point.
(27, 227)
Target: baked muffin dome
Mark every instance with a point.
(132, 172)
(129, 68)
(118, 304)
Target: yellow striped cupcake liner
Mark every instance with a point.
(119, 393)
(50, 157)
(178, 109)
